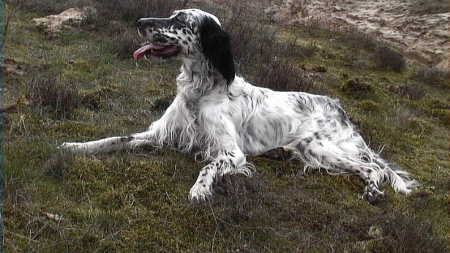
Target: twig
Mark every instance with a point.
(6, 22)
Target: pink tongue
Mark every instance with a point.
(142, 51)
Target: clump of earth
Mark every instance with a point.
(53, 24)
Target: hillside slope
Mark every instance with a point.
(81, 84)
(418, 28)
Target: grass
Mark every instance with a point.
(137, 201)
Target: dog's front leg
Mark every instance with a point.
(111, 143)
(158, 134)
(227, 162)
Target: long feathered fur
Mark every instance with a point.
(223, 118)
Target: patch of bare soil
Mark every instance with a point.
(10, 66)
(418, 28)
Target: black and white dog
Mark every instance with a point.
(225, 118)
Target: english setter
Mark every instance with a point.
(224, 118)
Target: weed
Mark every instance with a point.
(95, 99)
(125, 44)
(253, 45)
(47, 7)
(6, 21)
(386, 58)
(413, 92)
(131, 10)
(433, 76)
(356, 88)
(283, 76)
(53, 95)
(401, 233)
(422, 7)
(357, 39)
(240, 197)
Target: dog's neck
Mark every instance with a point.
(197, 78)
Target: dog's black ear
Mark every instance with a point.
(217, 47)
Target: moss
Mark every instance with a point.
(356, 88)
(97, 99)
(76, 129)
(370, 106)
(442, 114)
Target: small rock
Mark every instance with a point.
(375, 232)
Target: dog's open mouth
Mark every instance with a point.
(156, 51)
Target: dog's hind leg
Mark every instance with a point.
(355, 157)
(324, 154)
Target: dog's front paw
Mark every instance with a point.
(200, 192)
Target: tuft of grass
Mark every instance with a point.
(284, 76)
(240, 197)
(357, 39)
(356, 88)
(131, 10)
(53, 95)
(413, 92)
(95, 99)
(386, 58)
(423, 7)
(48, 7)
(399, 233)
(254, 46)
(125, 44)
(433, 76)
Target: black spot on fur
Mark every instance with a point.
(308, 141)
(301, 148)
(317, 135)
(127, 139)
(159, 38)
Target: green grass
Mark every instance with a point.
(137, 201)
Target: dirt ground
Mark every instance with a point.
(420, 30)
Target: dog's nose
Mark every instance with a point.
(144, 22)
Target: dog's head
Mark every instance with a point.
(188, 34)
